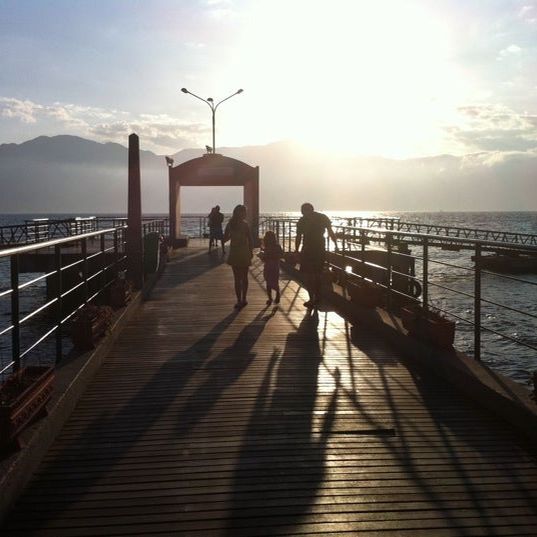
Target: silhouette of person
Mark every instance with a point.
(216, 218)
(240, 252)
(271, 254)
(310, 234)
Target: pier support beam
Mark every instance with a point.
(134, 248)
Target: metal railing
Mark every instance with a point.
(78, 270)
(395, 224)
(436, 270)
(44, 229)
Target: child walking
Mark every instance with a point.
(271, 254)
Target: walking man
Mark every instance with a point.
(310, 234)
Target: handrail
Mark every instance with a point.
(70, 289)
(467, 231)
(457, 240)
(55, 242)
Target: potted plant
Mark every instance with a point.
(89, 324)
(23, 397)
(365, 294)
(428, 325)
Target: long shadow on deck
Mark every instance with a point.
(46, 499)
(282, 422)
(282, 461)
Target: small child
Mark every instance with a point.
(271, 254)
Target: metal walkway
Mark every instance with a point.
(204, 421)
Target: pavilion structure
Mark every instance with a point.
(212, 170)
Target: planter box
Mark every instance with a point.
(23, 397)
(428, 326)
(91, 323)
(365, 295)
(291, 258)
(120, 293)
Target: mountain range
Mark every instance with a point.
(68, 174)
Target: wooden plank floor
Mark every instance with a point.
(206, 421)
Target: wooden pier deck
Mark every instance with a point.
(269, 421)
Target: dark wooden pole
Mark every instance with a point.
(134, 218)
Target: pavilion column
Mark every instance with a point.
(134, 246)
(172, 203)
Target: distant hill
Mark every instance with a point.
(70, 174)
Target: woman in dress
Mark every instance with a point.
(240, 252)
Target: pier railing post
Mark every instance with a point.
(85, 268)
(15, 333)
(116, 254)
(389, 270)
(58, 269)
(425, 273)
(477, 302)
(103, 263)
(290, 240)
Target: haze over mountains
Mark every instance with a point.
(68, 174)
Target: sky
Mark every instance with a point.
(381, 77)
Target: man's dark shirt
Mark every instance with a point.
(216, 219)
(312, 228)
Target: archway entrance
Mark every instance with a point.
(213, 170)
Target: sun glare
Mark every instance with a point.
(364, 78)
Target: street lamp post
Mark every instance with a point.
(213, 107)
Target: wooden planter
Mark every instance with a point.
(365, 295)
(291, 258)
(120, 293)
(428, 326)
(23, 397)
(90, 324)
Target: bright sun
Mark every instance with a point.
(371, 78)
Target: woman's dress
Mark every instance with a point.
(240, 253)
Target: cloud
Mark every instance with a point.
(494, 128)
(30, 112)
(528, 13)
(510, 51)
(25, 111)
(159, 131)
